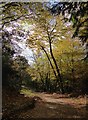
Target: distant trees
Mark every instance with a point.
(68, 55)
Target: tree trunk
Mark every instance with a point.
(57, 69)
(49, 61)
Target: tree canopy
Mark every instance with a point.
(75, 12)
(57, 57)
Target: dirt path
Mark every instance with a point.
(53, 106)
(63, 99)
(56, 106)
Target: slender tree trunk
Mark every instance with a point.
(57, 69)
(72, 70)
(49, 61)
(51, 65)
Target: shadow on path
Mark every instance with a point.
(50, 107)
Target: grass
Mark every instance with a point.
(27, 92)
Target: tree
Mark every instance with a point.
(11, 75)
(7, 53)
(41, 71)
(70, 55)
(44, 36)
(46, 32)
(75, 12)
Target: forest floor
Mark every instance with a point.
(45, 105)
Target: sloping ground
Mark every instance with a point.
(14, 103)
(52, 110)
(43, 106)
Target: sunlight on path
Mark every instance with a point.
(56, 106)
(50, 98)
